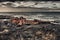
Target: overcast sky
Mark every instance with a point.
(28, 0)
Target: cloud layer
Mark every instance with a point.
(39, 4)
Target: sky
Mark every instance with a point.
(28, 0)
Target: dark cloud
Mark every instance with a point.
(28, 0)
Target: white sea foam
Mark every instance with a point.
(39, 16)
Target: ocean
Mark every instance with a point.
(50, 16)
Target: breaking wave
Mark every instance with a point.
(40, 16)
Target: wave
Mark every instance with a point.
(41, 17)
(32, 16)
